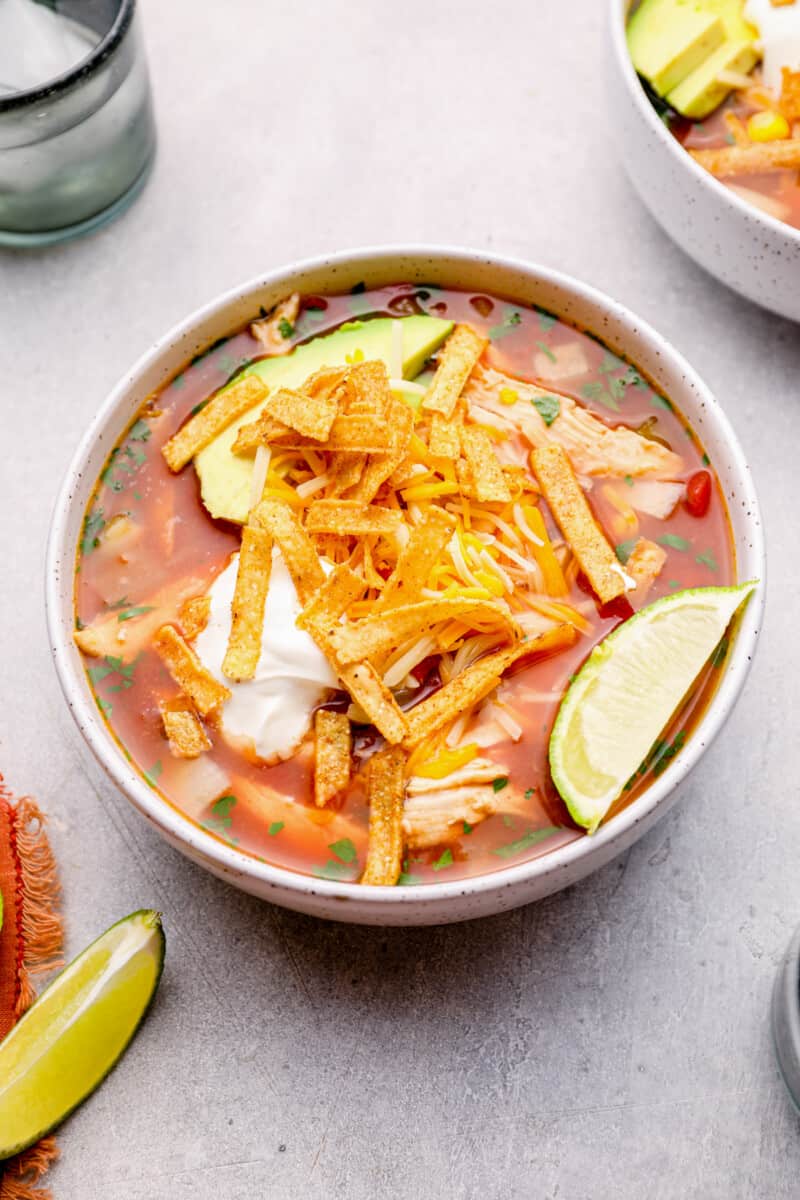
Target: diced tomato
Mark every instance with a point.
(698, 493)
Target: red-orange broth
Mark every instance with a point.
(180, 550)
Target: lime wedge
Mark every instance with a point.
(628, 689)
(73, 1035)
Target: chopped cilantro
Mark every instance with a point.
(285, 328)
(105, 707)
(407, 880)
(344, 849)
(706, 559)
(93, 525)
(706, 460)
(123, 602)
(597, 392)
(629, 480)
(548, 407)
(137, 611)
(531, 838)
(112, 665)
(140, 431)
(610, 363)
(199, 407)
(223, 806)
(333, 870)
(545, 349)
(674, 541)
(625, 549)
(152, 775)
(499, 783)
(467, 827)
(275, 828)
(529, 793)
(661, 760)
(546, 319)
(675, 583)
(660, 402)
(508, 821)
(510, 322)
(718, 657)
(445, 859)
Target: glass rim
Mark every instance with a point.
(83, 70)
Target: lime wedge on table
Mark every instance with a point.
(628, 689)
(73, 1035)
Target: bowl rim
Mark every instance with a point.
(227, 860)
(703, 178)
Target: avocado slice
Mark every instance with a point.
(701, 92)
(668, 39)
(225, 476)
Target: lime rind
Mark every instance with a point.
(610, 719)
(58, 1038)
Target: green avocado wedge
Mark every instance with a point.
(77, 1030)
(627, 691)
(225, 476)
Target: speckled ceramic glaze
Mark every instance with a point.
(746, 248)
(521, 283)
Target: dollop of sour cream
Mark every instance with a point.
(779, 35)
(272, 711)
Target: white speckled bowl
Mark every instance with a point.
(747, 249)
(523, 284)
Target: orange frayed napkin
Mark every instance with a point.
(30, 943)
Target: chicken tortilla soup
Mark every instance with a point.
(341, 576)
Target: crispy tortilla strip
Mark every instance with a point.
(186, 736)
(644, 565)
(444, 439)
(345, 471)
(386, 799)
(331, 601)
(487, 474)
(460, 354)
(400, 420)
(417, 560)
(309, 415)
(571, 510)
(193, 616)
(754, 159)
(474, 684)
(260, 432)
(333, 745)
(790, 94)
(368, 690)
(302, 560)
(367, 389)
(320, 618)
(371, 575)
(326, 381)
(204, 426)
(247, 607)
(270, 330)
(355, 432)
(379, 634)
(188, 672)
(350, 517)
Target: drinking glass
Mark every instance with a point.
(76, 149)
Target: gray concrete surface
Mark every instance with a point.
(609, 1042)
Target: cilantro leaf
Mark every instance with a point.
(223, 806)
(140, 431)
(718, 657)
(344, 849)
(674, 541)
(707, 559)
(285, 328)
(548, 408)
(333, 870)
(93, 525)
(275, 828)
(545, 349)
(531, 838)
(467, 827)
(137, 611)
(407, 880)
(625, 549)
(546, 319)
(661, 402)
(499, 783)
(153, 774)
(445, 859)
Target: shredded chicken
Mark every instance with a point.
(436, 809)
(593, 448)
(271, 331)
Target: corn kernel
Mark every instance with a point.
(767, 126)
(508, 395)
